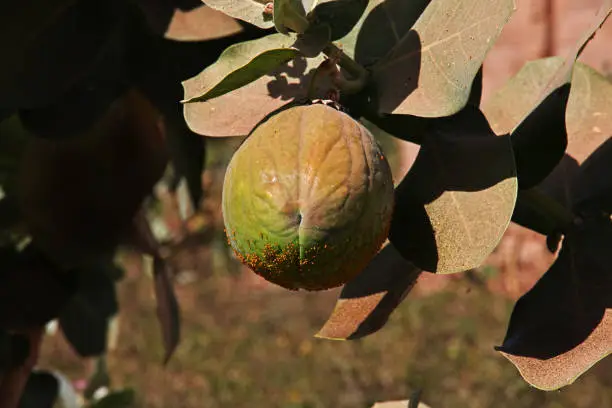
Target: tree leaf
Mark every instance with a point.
(239, 65)
(414, 128)
(540, 139)
(588, 123)
(251, 11)
(167, 307)
(289, 15)
(41, 391)
(168, 313)
(200, 24)
(22, 304)
(367, 301)
(563, 325)
(456, 201)
(271, 91)
(84, 321)
(66, 37)
(117, 399)
(430, 69)
(340, 15)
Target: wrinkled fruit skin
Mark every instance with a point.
(308, 198)
(78, 196)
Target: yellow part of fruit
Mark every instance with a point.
(308, 198)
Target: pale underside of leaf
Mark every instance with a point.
(588, 116)
(236, 113)
(250, 11)
(201, 24)
(457, 200)
(367, 301)
(257, 67)
(554, 373)
(430, 70)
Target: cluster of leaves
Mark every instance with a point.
(90, 116)
(536, 154)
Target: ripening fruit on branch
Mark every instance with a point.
(308, 198)
(78, 196)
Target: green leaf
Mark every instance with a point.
(239, 65)
(431, 65)
(250, 11)
(84, 321)
(340, 15)
(289, 15)
(456, 201)
(367, 301)
(563, 325)
(286, 83)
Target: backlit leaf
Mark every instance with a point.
(367, 301)
(456, 201)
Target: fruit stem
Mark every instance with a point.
(359, 74)
(548, 208)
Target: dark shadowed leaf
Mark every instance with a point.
(66, 37)
(167, 307)
(84, 321)
(563, 325)
(168, 313)
(256, 100)
(24, 305)
(414, 128)
(41, 391)
(456, 201)
(367, 301)
(588, 123)
(116, 399)
(289, 15)
(340, 15)
(592, 191)
(541, 137)
(432, 64)
(14, 349)
(313, 41)
(239, 65)
(251, 11)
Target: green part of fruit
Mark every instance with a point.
(308, 198)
